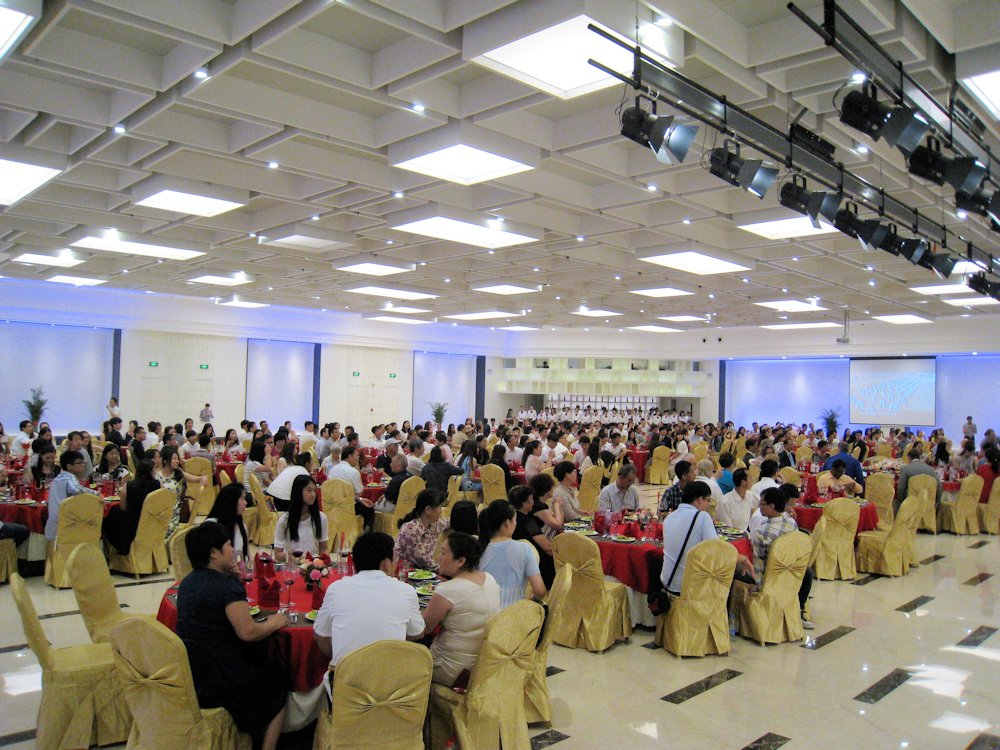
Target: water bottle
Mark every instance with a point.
(732, 623)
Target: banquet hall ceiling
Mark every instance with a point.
(326, 89)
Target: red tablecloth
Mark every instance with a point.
(35, 515)
(951, 486)
(638, 565)
(373, 493)
(638, 457)
(292, 646)
(229, 468)
(807, 517)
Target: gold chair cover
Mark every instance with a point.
(204, 497)
(989, 512)
(697, 623)
(83, 702)
(817, 539)
(835, 553)
(491, 713)
(493, 483)
(267, 519)
(771, 614)
(380, 699)
(224, 480)
(880, 490)
(148, 553)
(338, 505)
(407, 501)
(8, 559)
(95, 593)
(454, 494)
(803, 453)
(924, 486)
(883, 450)
(753, 472)
(80, 518)
(584, 609)
(962, 516)
(790, 475)
(178, 552)
(153, 665)
(240, 472)
(889, 552)
(590, 488)
(659, 466)
(699, 451)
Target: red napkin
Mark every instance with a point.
(269, 593)
(263, 566)
(325, 558)
(317, 600)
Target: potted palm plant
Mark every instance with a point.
(35, 405)
(831, 420)
(438, 410)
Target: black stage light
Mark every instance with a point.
(756, 178)
(978, 282)
(904, 129)
(913, 249)
(668, 139)
(901, 126)
(942, 264)
(864, 112)
(750, 174)
(928, 162)
(871, 233)
(725, 164)
(965, 174)
(890, 242)
(847, 220)
(812, 203)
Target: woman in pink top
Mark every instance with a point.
(989, 471)
(533, 462)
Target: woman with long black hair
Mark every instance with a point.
(228, 512)
(121, 523)
(303, 528)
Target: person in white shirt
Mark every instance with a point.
(304, 528)
(308, 436)
(20, 444)
(415, 464)
(206, 415)
(522, 414)
(737, 506)
(620, 494)
(532, 414)
(190, 443)
(706, 471)
(617, 446)
(768, 471)
(331, 460)
(369, 606)
(280, 489)
(377, 439)
(113, 409)
(347, 470)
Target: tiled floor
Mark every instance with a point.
(897, 663)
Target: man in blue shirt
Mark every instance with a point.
(66, 484)
(852, 465)
(725, 478)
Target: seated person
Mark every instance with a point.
(256, 464)
(620, 494)
(66, 484)
(462, 606)
(464, 519)
(280, 490)
(528, 527)
(45, 468)
(437, 471)
(304, 528)
(214, 622)
(837, 480)
(121, 523)
(347, 469)
(738, 505)
(546, 510)
(420, 530)
(227, 510)
(565, 474)
(111, 463)
(203, 449)
(398, 474)
(776, 522)
(513, 564)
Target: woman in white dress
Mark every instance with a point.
(304, 528)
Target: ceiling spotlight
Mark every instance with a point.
(202, 74)
(901, 126)
(913, 249)
(858, 76)
(869, 232)
(668, 139)
(750, 174)
(965, 174)
(941, 263)
(272, 165)
(119, 129)
(812, 203)
(962, 214)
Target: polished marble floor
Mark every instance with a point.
(908, 662)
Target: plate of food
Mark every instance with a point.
(623, 539)
(421, 575)
(254, 611)
(576, 525)
(312, 614)
(729, 530)
(426, 589)
(24, 501)
(632, 517)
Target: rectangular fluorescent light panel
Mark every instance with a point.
(663, 291)
(464, 164)
(76, 280)
(465, 232)
(18, 179)
(967, 266)
(784, 229)
(901, 320)
(381, 291)
(972, 301)
(505, 289)
(555, 59)
(241, 303)
(391, 319)
(518, 328)
(373, 269)
(986, 88)
(794, 326)
(221, 280)
(942, 289)
(655, 329)
(682, 318)
(113, 244)
(188, 203)
(13, 25)
(486, 315)
(691, 261)
(63, 260)
(790, 305)
(404, 309)
(596, 313)
(300, 240)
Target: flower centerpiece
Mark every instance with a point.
(315, 570)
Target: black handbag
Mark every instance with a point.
(659, 600)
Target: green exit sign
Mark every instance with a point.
(356, 374)
(154, 364)
(203, 367)
(392, 374)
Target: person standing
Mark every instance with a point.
(206, 415)
(969, 429)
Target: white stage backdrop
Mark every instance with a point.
(445, 378)
(279, 382)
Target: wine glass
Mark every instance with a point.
(290, 571)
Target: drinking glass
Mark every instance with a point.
(289, 574)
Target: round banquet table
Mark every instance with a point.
(373, 492)
(228, 467)
(638, 457)
(807, 517)
(949, 491)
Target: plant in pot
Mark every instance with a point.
(438, 410)
(35, 405)
(831, 421)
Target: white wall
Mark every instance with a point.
(707, 407)
(373, 396)
(444, 378)
(279, 382)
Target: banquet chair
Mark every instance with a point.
(803, 453)
(790, 476)
(889, 552)
(883, 450)
(493, 483)
(817, 538)
(267, 517)
(130, 461)
(148, 553)
(584, 609)
(753, 472)
(697, 623)
(741, 447)
(240, 471)
(389, 522)
(835, 556)
(537, 704)
(659, 466)
(590, 488)
(989, 512)
(153, 665)
(490, 714)
(822, 474)
(80, 518)
(246, 443)
(380, 698)
(771, 614)
(880, 491)
(224, 479)
(338, 505)
(8, 559)
(95, 593)
(924, 486)
(551, 471)
(961, 516)
(204, 497)
(82, 703)
(454, 494)
(178, 552)
(700, 451)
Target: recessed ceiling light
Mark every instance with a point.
(872, 282)
(393, 319)
(661, 291)
(181, 197)
(519, 328)
(790, 305)
(506, 288)
(202, 74)
(236, 302)
(273, 165)
(692, 261)
(18, 179)
(972, 301)
(588, 313)
(65, 259)
(464, 165)
(119, 129)
(783, 229)
(315, 217)
(686, 221)
(114, 241)
(683, 318)
(961, 214)
(235, 280)
(372, 265)
(418, 107)
(986, 88)
(75, 280)
(901, 320)
(485, 315)
(655, 329)
(456, 225)
(942, 289)
(580, 238)
(381, 291)
(404, 309)
(861, 148)
(307, 236)
(792, 326)
(651, 188)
